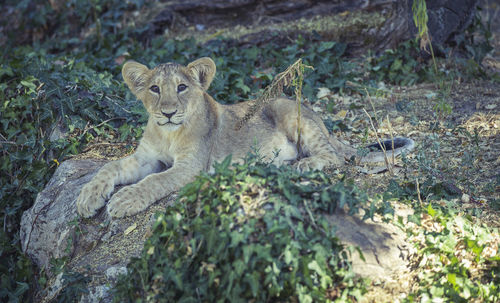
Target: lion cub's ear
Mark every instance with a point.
(136, 76)
(203, 70)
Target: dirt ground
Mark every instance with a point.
(469, 134)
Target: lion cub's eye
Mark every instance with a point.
(155, 89)
(181, 88)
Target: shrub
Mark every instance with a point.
(254, 232)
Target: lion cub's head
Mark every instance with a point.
(170, 92)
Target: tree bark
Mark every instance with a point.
(362, 24)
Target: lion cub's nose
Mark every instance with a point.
(169, 115)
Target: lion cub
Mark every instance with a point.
(188, 131)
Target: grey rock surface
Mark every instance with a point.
(101, 248)
(98, 294)
(45, 228)
(383, 245)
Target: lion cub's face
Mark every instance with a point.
(170, 92)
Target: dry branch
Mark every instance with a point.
(284, 79)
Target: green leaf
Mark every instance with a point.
(452, 279)
(253, 280)
(28, 83)
(21, 288)
(125, 131)
(239, 267)
(449, 245)
(6, 70)
(236, 238)
(396, 65)
(431, 211)
(313, 265)
(288, 256)
(323, 46)
(225, 163)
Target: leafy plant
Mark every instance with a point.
(458, 260)
(41, 94)
(74, 285)
(252, 232)
(63, 21)
(400, 65)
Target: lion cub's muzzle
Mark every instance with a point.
(169, 119)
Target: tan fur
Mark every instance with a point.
(199, 132)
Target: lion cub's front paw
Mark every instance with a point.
(92, 197)
(127, 201)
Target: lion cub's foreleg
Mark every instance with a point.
(137, 197)
(94, 194)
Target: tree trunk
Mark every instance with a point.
(362, 24)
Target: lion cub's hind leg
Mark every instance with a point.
(316, 151)
(279, 150)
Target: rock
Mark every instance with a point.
(98, 294)
(383, 245)
(113, 272)
(56, 285)
(101, 249)
(97, 247)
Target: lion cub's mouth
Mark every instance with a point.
(161, 120)
(167, 122)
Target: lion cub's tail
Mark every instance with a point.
(376, 154)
